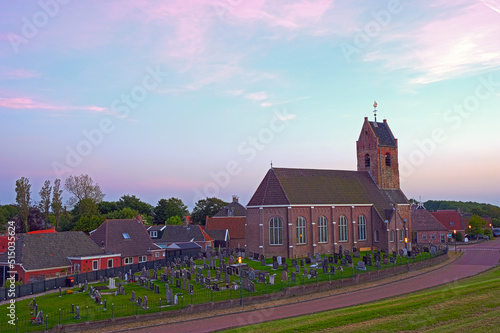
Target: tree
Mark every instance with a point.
(125, 213)
(131, 201)
(83, 187)
(56, 204)
(174, 220)
(35, 220)
(89, 223)
(23, 194)
(477, 225)
(86, 207)
(168, 208)
(206, 207)
(106, 207)
(45, 201)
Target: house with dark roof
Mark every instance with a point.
(294, 212)
(46, 255)
(176, 234)
(129, 238)
(156, 231)
(227, 227)
(426, 228)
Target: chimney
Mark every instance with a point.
(139, 218)
(235, 198)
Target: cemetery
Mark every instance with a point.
(212, 277)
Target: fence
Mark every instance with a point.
(45, 285)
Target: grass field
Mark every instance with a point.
(121, 306)
(469, 305)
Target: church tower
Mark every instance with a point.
(377, 152)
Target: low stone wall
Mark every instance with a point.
(287, 292)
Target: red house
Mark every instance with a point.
(426, 228)
(232, 219)
(47, 255)
(129, 238)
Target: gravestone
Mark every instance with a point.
(157, 289)
(262, 260)
(346, 252)
(229, 270)
(317, 257)
(305, 271)
(313, 273)
(86, 286)
(386, 262)
(284, 276)
(343, 261)
(297, 269)
(405, 252)
(361, 266)
(325, 269)
(144, 273)
(433, 250)
(349, 259)
(285, 266)
(209, 274)
(60, 292)
(145, 304)
(377, 264)
(294, 277)
(271, 278)
(105, 305)
(251, 286)
(302, 263)
(77, 313)
(111, 284)
(178, 284)
(279, 260)
(294, 262)
(262, 278)
(392, 260)
(191, 289)
(72, 309)
(217, 275)
(308, 260)
(251, 275)
(330, 259)
(139, 301)
(226, 278)
(275, 265)
(356, 255)
(332, 270)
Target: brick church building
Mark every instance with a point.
(294, 212)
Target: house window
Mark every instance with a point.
(388, 159)
(153, 234)
(301, 230)
(322, 230)
(276, 231)
(157, 254)
(110, 263)
(163, 253)
(375, 236)
(401, 235)
(143, 259)
(392, 235)
(230, 212)
(367, 160)
(76, 267)
(451, 223)
(343, 234)
(433, 236)
(128, 261)
(424, 237)
(125, 235)
(361, 227)
(95, 265)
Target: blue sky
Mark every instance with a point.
(196, 98)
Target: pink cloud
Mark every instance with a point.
(463, 42)
(258, 96)
(9, 73)
(29, 104)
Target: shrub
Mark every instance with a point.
(459, 237)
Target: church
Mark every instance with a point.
(296, 212)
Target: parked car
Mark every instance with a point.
(496, 232)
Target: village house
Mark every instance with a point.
(426, 228)
(41, 256)
(129, 238)
(227, 227)
(296, 212)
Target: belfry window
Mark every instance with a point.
(388, 159)
(367, 160)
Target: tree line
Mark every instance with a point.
(86, 208)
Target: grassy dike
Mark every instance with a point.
(469, 305)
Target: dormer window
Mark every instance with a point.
(153, 234)
(230, 212)
(388, 159)
(126, 235)
(367, 160)
(451, 223)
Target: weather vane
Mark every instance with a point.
(375, 110)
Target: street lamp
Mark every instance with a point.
(406, 246)
(241, 285)
(455, 234)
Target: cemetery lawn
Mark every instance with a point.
(469, 305)
(121, 305)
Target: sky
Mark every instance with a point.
(196, 98)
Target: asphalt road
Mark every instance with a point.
(476, 259)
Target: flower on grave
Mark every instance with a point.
(33, 318)
(70, 291)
